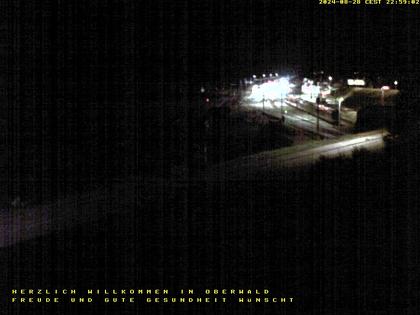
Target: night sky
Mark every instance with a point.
(212, 40)
(239, 38)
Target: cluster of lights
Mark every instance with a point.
(272, 90)
(254, 76)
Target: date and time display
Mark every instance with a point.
(369, 2)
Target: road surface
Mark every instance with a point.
(297, 119)
(298, 156)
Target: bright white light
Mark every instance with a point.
(310, 89)
(395, 82)
(385, 87)
(277, 74)
(257, 93)
(356, 82)
(330, 78)
(263, 75)
(284, 85)
(254, 76)
(272, 90)
(271, 74)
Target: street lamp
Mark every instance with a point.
(284, 87)
(318, 100)
(383, 89)
(340, 100)
(263, 101)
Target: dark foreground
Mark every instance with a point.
(339, 237)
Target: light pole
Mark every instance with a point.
(383, 94)
(318, 100)
(263, 101)
(281, 106)
(340, 100)
(284, 86)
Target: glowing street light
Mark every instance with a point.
(383, 89)
(330, 78)
(263, 75)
